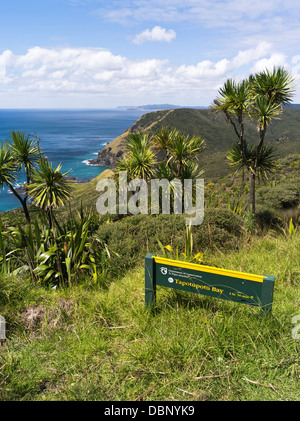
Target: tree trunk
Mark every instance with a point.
(251, 191)
(26, 212)
(23, 203)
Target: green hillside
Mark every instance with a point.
(218, 135)
(87, 335)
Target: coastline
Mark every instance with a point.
(105, 159)
(71, 137)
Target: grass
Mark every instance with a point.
(89, 343)
(218, 135)
(99, 342)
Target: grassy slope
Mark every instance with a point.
(87, 193)
(216, 132)
(97, 344)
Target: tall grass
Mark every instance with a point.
(86, 343)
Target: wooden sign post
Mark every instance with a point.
(229, 285)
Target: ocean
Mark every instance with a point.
(69, 137)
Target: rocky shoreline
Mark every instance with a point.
(106, 158)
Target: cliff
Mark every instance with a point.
(218, 135)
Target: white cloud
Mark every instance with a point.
(208, 69)
(268, 63)
(296, 67)
(213, 13)
(95, 72)
(64, 70)
(155, 34)
(247, 56)
(237, 22)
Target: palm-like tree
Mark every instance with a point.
(137, 141)
(8, 167)
(49, 188)
(181, 155)
(139, 158)
(26, 155)
(181, 152)
(9, 175)
(26, 151)
(261, 98)
(275, 86)
(234, 102)
(162, 139)
(266, 162)
(191, 171)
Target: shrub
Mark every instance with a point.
(135, 236)
(64, 254)
(266, 218)
(282, 196)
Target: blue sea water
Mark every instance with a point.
(69, 137)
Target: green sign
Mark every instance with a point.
(229, 285)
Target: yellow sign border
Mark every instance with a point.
(209, 269)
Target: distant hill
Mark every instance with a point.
(293, 106)
(218, 135)
(155, 107)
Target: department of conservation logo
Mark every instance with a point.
(164, 271)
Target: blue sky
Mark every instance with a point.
(101, 54)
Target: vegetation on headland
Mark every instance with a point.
(72, 294)
(260, 97)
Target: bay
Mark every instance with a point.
(69, 137)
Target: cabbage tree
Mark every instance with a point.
(49, 188)
(260, 97)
